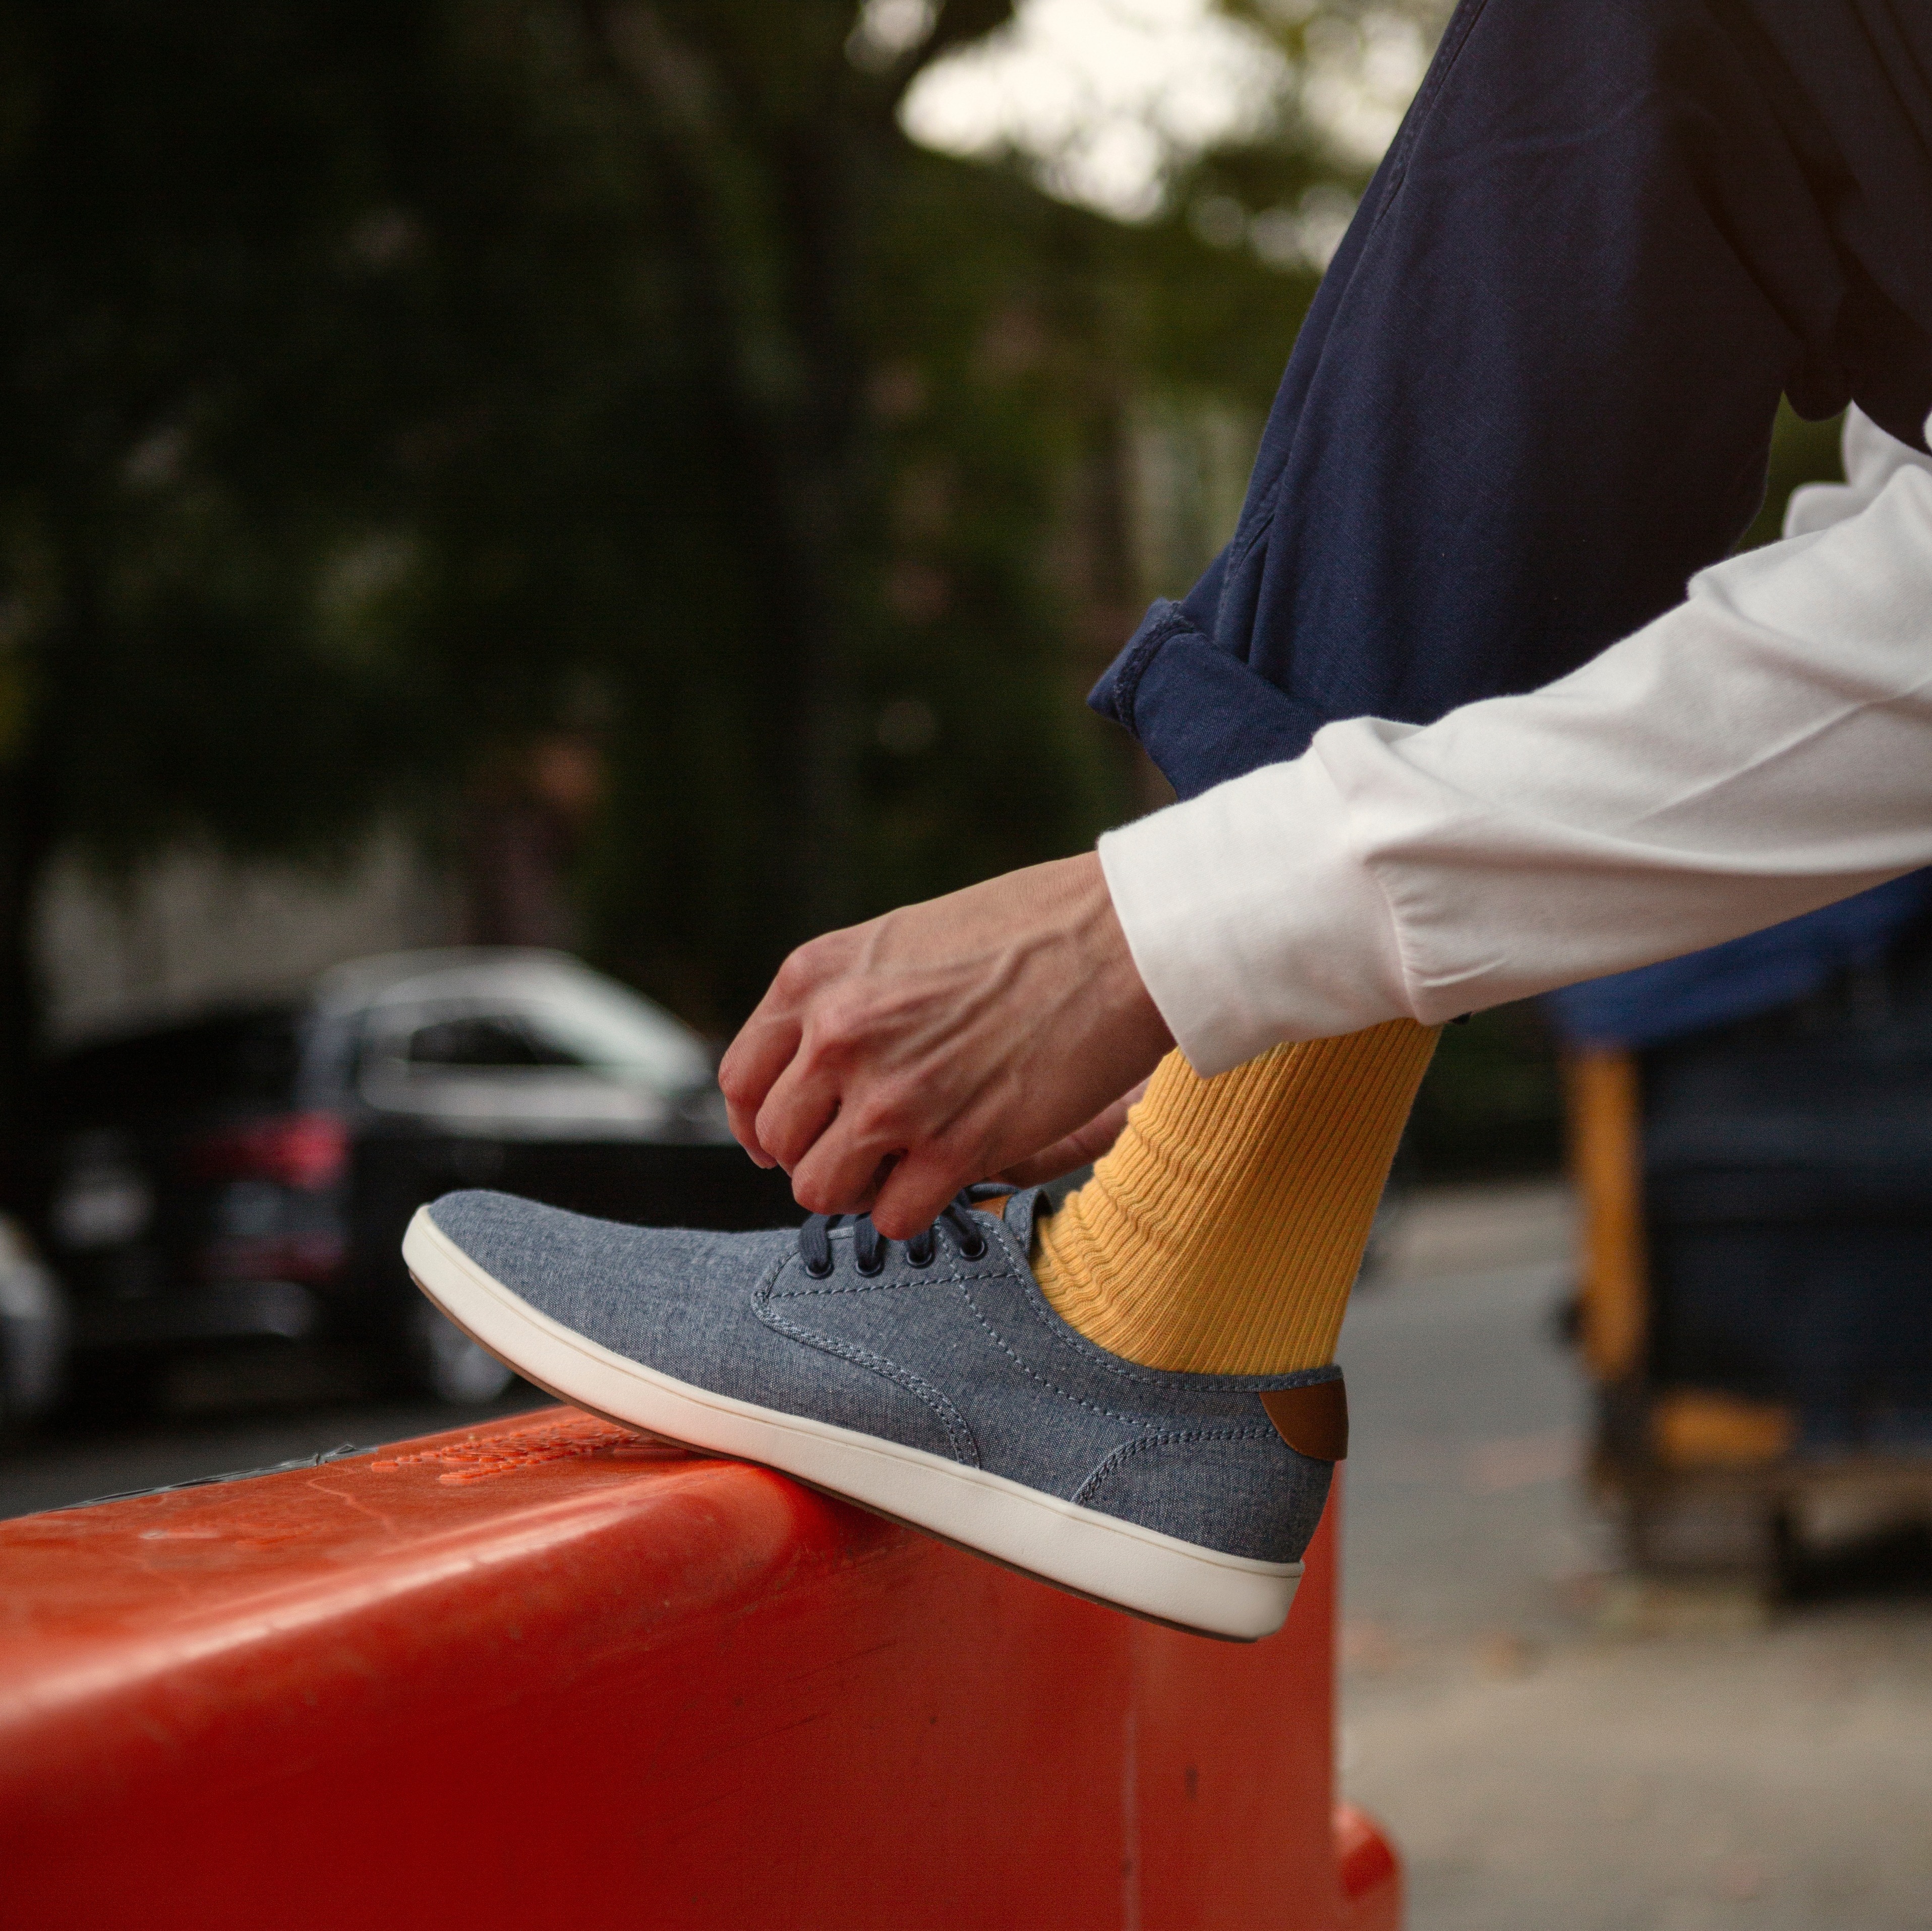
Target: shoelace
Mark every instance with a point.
(869, 1245)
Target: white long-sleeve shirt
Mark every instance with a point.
(1760, 751)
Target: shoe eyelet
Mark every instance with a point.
(878, 1266)
(819, 1271)
(977, 1252)
(918, 1254)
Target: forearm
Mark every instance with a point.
(1763, 749)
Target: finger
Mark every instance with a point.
(843, 1170)
(767, 1043)
(1080, 1148)
(910, 1199)
(801, 1105)
(1063, 1156)
(1098, 1136)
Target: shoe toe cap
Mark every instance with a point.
(555, 1260)
(617, 1283)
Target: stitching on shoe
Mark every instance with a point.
(965, 1448)
(1169, 1381)
(885, 1283)
(1006, 1348)
(1111, 1465)
(960, 1281)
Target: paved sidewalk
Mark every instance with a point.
(1540, 1771)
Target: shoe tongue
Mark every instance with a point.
(1021, 1208)
(1018, 1207)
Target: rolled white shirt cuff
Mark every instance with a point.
(1253, 920)
(1760, 750)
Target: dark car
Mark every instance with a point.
(33, 1332)
(250, 1172)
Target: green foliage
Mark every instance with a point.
(1492, 1102)
(387, 388)
(1801, 452)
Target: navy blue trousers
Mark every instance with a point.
(1536, 389)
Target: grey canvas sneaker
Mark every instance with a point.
(928, 1380)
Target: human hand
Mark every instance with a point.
(893, 1063)
(1080, 1148)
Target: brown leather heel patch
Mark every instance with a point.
(1313, 1420)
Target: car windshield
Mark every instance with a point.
(586, 1023)
(606, 1027)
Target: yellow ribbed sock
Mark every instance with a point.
(1222, 1233)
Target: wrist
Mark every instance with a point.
(1114, 975)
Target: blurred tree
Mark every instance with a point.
(186, 513)
(1801, 452)
(406, 405)
(877, 713)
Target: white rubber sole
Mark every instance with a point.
(1114, 1562)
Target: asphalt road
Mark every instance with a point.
(223, 1416)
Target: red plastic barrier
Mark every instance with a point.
(553, 1675)
(1371, 1874)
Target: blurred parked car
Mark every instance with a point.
(33, 1331)
(250, 1172)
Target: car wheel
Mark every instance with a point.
(448, 1364)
